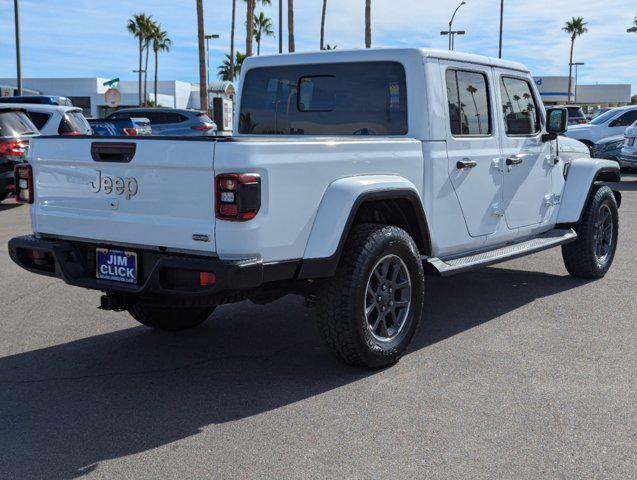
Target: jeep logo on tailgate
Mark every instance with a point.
(121, 186)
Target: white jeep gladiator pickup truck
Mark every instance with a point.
(350, 176)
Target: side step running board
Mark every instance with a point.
(553, 238)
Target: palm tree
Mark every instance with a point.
(575, 27)
(250, 26)
(473, 90)
(203, 83)
(368, 23)
(262, 26)
(161, 43)
(323, 25)
(291, 47)
(231, 56)
(224, 68)
(151, 30)
(138, 27)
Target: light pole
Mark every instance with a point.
(501, 27)
(16, 11)
(575, 64)
(208, 38)
(280, 26)
(452, 37)
(450, 32)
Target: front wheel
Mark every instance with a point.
(591, 256)
(369, 312)
(169, 318)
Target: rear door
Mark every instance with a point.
(527, 160)
(151, 192)
(473, 148)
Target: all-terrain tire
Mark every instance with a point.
(582, 257)
(341, 301)
(169, 318)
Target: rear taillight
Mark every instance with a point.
(13, 148)
(202, 128)
(23, 176)
(238, 196)
(71, 134)
(131, 131)
(582, 121)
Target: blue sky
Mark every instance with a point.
(89, 38)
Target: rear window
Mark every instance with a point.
(39, 119)
(367, 98)
(73, 122)
(14, 124)
(575, 112)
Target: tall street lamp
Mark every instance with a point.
(280, 26)
(576, 65)
(16, 11)
(451, 33)
(501, 27)
(208, 38)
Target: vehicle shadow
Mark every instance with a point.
(68, 407)
(8, 206)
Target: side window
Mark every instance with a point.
(468, 98)
(521, 115)
(626, 120)
(39, 119)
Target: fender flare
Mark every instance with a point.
(337, 212)
(582, 175)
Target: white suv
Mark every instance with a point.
(56, 119)
(351, 175)
(614, 122)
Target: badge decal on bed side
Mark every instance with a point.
(201, 238)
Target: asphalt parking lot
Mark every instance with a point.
(520, 372)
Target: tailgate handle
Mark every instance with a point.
(116, 152)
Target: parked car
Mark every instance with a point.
(351, 175)
(598, 112)
(609, 148)
(131, 126)
(39, 99)
(614, 122)
(576, 115)
(170, 121)
(628, 154)
(55, 119)
(16, 130)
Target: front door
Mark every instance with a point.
(472, 147)
(526, 159)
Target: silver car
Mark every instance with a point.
(170, 121)
(628, 155)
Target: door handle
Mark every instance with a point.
(511, 161)
(466, 163)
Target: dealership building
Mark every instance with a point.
(554, 91)
(88, 93)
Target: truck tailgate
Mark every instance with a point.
(152, 192)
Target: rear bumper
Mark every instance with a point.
(161, 275)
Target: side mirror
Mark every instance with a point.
(557, 120)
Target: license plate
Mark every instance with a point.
(116, 265)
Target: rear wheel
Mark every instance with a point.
(591, 256)
(369, 312)
(170, 318)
